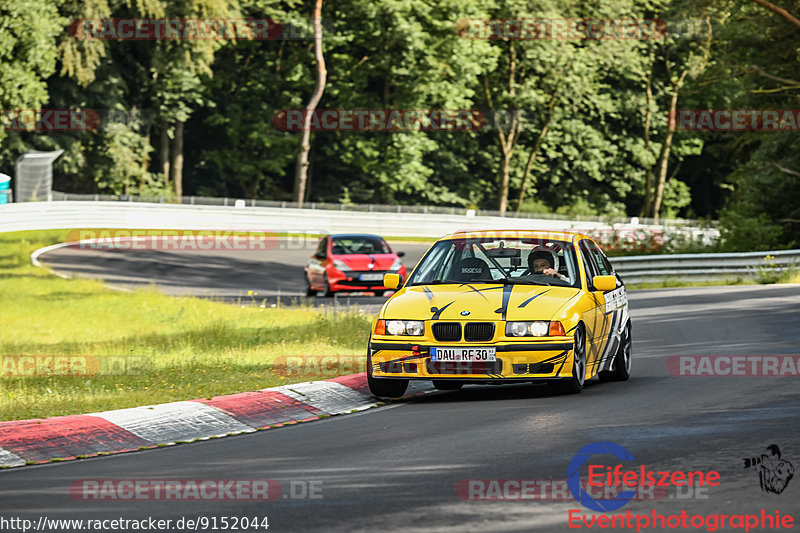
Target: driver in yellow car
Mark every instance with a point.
(542, 262)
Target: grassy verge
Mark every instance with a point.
(129, 349)
(762, 275)
(670, 284)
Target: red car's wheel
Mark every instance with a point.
(326, 288)
(309, 290)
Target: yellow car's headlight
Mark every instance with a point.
(400, 327)
(535, 328)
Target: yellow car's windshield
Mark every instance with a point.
(498, 260)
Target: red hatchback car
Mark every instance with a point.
(352, 262)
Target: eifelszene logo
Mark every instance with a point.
(574, 476)
(631, 479)
(774, 472)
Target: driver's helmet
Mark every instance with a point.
(542, 252)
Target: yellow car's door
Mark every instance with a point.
(598, 322)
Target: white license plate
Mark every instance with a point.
(463, 354)
(371, 277)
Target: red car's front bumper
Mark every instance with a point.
(351, 280)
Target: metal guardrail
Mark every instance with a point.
(367, 208)
(634, 269)
(135, 215)
(704, 267)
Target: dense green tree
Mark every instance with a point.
(576, 126)
(756, 67)
(28, 54)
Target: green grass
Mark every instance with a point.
(173, 348)
(764, 278)
(671, 284)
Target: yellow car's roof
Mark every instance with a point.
(516, 233)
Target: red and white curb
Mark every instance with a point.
(69, 437)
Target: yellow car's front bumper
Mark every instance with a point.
(527, 360)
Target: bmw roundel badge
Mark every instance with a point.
(464, 313)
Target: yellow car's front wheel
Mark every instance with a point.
(622, 359)
(386, 387)
(574, 385)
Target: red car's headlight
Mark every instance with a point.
(340, 265)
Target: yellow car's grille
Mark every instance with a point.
(447, 331)
(473, 331)
(479, 331)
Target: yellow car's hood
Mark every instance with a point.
(480, 301)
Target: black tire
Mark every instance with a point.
(385, 388)
(309, 290)
(574, 385)
(379, 293)
(622, 359)
(446, 384)
(326, 291)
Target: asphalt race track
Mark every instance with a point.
(396, 468)
(221, 273)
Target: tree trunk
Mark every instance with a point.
(145, 159)
(507, 140)
(662, 170)
(663, 160)
(648, 186)
(177, 160)
(505, 175)
(780, 11)
(535, 150)
(164, 156)
(301, 167)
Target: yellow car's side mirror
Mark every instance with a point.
(604, 283)
(391, 281)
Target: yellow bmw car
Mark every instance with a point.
(499, 307)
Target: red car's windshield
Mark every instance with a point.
(359, 245)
